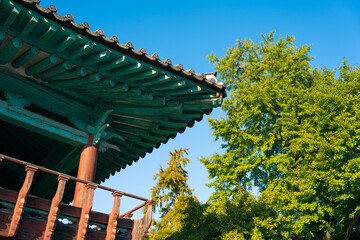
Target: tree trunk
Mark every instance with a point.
(350, 227)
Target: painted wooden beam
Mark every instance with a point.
(45, 97)
(2, 36)
(67, 42)
(42, 125)
(144, 111)
(169, 85)
(113, 64)
(41, 65)
(47, 35)
(15, 12)
(82, 50)
(10, 50)
(79, 82)
(72, 73)
(29, 26)
(132, 68)
(141, 75)
(156, 80)
(59, 68)
(97, 58)
(25, 57)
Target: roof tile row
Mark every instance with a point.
(128, 48)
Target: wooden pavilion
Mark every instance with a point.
(74, 102)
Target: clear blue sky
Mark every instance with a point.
(188, 31)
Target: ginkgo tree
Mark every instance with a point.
(293, 132)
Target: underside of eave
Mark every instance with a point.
(59, 73)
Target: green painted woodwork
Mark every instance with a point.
(67, 42)
(47, 35)
(136, 67)
(2, 36)
(113, 64)
(29, 26)
(17, 99)
(170, 86)
(144, 111)
(106, 86)
(84, 49)
(10, 50)
(44, 97)
(141, 75)
(73, 73)
(40, 124)
(97, 58)
(41, 65)
(69, 75)
(79, 82)
(12, 16)
(25, 57)
(61, 67)
(155, 80)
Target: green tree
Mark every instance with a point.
(292, 132)
(172, 195)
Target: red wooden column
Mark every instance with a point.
(86, 171)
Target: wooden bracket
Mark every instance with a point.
(100, 126)
(113, 216)
(85, 212)
(104, 146)
(54, 209)
(21, 200)
(17, 99)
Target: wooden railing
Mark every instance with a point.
(139, 228)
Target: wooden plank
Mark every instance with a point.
(21, 201)
(42, 125)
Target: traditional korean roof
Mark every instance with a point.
(75, 81)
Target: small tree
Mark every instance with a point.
(171, 182)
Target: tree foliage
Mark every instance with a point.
(171, 182)
(290, 132)
(293, 132)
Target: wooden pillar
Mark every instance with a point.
(86, 171)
